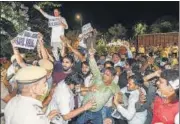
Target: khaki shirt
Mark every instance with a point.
(24, 110)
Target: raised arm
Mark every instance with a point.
(18, 57)
(75, 51)
(149, 62)
(150, 76)
(49, 56)
(42, 48)
(42, 12)
(93, 66)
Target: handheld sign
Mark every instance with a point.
(53, 22)
(26, 40)
(87, 28)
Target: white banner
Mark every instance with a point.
(53, 22)
(26, 40)
(87, 28)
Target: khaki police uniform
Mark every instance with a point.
(46, 64)
(23, 109)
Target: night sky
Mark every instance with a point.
(103, 15)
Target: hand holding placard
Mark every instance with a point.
(27, 40)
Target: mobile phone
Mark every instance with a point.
(116, 114)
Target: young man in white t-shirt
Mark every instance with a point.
(57, 30)
(63, 99)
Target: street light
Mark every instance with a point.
(79, 17)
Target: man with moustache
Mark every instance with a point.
(67, 64)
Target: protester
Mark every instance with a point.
(132, 94)
(165, 107)
(57, 30)
(129, 85)
(65, 69)
(106, 89)
(63, 100)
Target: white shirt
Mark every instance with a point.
(24, 110)
(130, 113)
(176, 119)
(88, 81)
(57, 31)
(116, 79)
(63, 101)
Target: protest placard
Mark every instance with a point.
(87, 28)
(26, 40)
(53, 22)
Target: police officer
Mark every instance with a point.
(24, 108)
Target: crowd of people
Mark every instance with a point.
(77, 86)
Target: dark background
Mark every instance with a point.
(104, 14)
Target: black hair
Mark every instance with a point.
(177, 93)
(69, 57)
(84, 63)
(135, 65)
(109, 62)
(170, 74)
(74, 78)
(123, 81)
(112, 70)
(138, 79)
(164, 59)
(130, 61)
(56, 9)
(116, 54)
(151, 54)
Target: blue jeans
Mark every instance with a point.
(94, 117)
(106, 112)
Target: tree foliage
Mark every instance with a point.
(101, 47)
(14, 19)
(117, 31)
(164, 24)
(139, 28)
